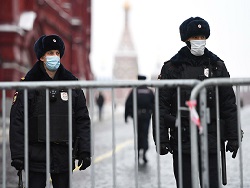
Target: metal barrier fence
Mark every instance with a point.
(200, 89)
(91, 85)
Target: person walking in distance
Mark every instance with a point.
(100, 101)
(195, 61)
(49, 50)
(145, 105)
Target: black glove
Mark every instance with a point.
(165, 148)
(232, 146)
(84, 160)
(18, 164)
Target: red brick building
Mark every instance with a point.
(22, 22)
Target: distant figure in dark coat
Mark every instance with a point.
(145, 104)
(100, 102)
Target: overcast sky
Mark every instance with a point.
(154, 25)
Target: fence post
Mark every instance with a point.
(135, 134)
(157, 127)
(194, 157)
(4, 137)
(113, 140)
(204, 139)
(179, 125)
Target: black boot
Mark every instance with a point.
(144, 156)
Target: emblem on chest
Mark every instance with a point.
(206, 72)
(64, 96)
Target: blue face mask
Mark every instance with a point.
(52, 62)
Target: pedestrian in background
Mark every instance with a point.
(145, 105)
(100, 101)
(49, 51)
(195, 61)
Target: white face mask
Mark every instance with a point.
(197, 47)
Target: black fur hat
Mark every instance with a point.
(46, 43)
(141, 77)
(194, 27)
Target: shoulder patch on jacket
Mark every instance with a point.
(14, 98)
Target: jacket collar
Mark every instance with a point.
(184, 56)
(38, 73)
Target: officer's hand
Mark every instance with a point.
(165, 148)
(232, 146)
(18, 164)
(84, 160)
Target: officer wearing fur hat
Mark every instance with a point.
(49, 50)
(195, 61)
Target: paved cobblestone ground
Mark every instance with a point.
(125, 165)
(125, 160)
(147, 174)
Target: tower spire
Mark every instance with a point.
(125, 65)
(126, 44)
(126, 8)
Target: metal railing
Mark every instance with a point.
(200, 89)
(91, 85)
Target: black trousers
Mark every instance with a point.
(38, 180)
(186, 169)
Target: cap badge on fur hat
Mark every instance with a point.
(54, 40)
(199, 26)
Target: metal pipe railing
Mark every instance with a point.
(113, 140)
(97, 84)
(90, 85)
(135, 118)
(26, 138)
(4, 136)
(122, 84)
(194, 94)
(157, 136)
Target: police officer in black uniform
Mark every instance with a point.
(195, 61)
(145, 105)
(49, 51)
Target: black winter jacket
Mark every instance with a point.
(37, 150)
(145, 105)
(184, 65)
(145, 101)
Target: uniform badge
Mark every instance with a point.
(64, 96)
(14, 98)
(206, 72)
